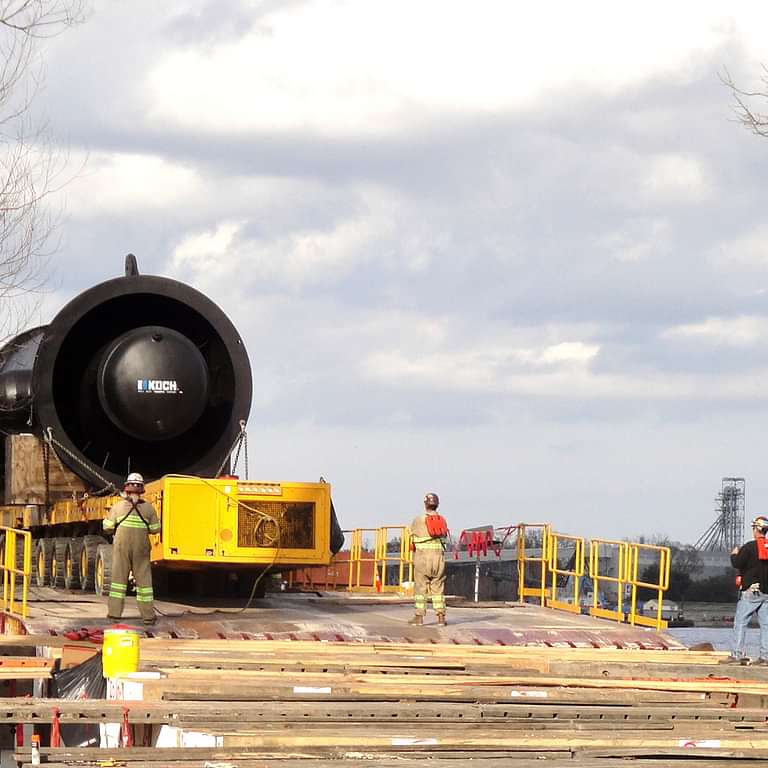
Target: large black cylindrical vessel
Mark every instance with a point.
(140, 373)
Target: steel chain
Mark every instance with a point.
(52, 441)
(49, 449)
(242, 443)
(236, 445)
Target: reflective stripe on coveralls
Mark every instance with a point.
(427, 543)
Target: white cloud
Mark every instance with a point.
(288, 260)
(751, 250)
(743, 331)
(567, 352)
(639, 240)
(204, 251)
(121, 182)
(370, 225)
(482, 367)
(343, 66)
(676, 178)
(485, 371)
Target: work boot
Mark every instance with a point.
(740, 660)
(418, 619)
(441, 619)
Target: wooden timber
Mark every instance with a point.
(246, 715)
(180, 758)
(33, 475)
(25, 668)
(338, 703)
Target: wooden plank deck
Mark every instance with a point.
(330, 682)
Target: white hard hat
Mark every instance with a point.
(134, 479)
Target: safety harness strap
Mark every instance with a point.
(134, 508)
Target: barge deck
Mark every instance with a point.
(343, 680)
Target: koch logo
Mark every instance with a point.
(161, 386)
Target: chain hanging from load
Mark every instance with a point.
(53, 443)
(241, 443)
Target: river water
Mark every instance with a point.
(720, 637)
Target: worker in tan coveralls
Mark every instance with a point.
(428, 564)
(131, 520)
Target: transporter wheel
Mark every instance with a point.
(90, 546)
(72, 564)
(20, 561)
(57, 561)
(103, 576)
(42, 564)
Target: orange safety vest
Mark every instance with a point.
(436, 526)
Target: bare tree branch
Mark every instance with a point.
(31, 170)
(747, 115)
(40, 18)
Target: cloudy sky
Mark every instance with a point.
(513, 253)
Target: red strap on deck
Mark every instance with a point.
(92, 634)
(56, 728)
(126, 735)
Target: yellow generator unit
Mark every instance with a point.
(240, 523)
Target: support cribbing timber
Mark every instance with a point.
(425, 701)
(260, 701)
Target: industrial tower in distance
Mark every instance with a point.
(727, 531)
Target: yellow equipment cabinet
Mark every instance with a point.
(241, 522)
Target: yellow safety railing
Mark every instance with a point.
(359, 554)
(377, 569)
(571, 573)
(16, 543)
(620, 549)
(541, 574)
(402, 559)
(527, 535)
(370, 563)
(633, 564)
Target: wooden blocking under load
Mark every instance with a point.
(33, 475)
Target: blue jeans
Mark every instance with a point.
(750, 603)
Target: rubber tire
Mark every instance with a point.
(103, 577)
(43, 557)
(57, 562)
(72, 564)
(20, 560)
(91, 545)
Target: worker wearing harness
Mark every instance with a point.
(131, 520)
(428, 535)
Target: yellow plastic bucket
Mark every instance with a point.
(120, 653)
